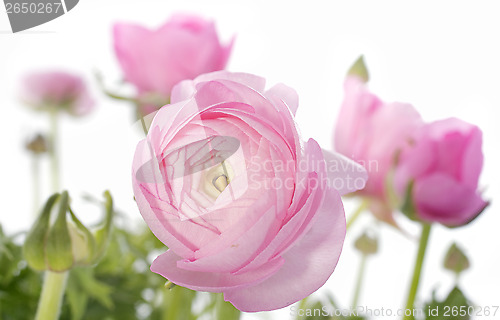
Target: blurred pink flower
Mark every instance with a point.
(57, 89)
(371, 132)
(443, 163)
(245, 207)
(155, 60)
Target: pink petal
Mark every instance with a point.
(182, 91)
(141, 158)
(166, 265)
(302, 211)
(344, 174)
(255, 82)
(308, 265)
(440, 198)
(233, 254)
(287, 94)
(213, 92)
(357, 108)
(472, 161)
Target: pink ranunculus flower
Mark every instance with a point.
(155, 60)
(443, 165)
(57, 89)
(245, 207)
(371, 132)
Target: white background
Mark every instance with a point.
(441, 57)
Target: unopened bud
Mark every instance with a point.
(37, 145)
(367, 244)
(58, 251)
(456, 260)
(66, 242)
(359, 69)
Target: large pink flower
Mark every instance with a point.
(443, 164)
(372, 132)
(56, 89)
(245, 207)
(155, 60)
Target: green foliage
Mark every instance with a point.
(119, 287)
(454, 307)
(115, 288)
(20, 286)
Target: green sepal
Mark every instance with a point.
(88, 239)
(408, 207)
(34, 246)
(58, 248)
(102, 234)
(359, 69)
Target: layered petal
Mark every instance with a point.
(166, 265)
(306, 266)
(443, 164)
(344, 175)
(224, 180)
(440, 198)
(182, 48)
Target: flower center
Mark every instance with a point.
(220, 183)
(216, 179)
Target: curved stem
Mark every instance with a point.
(359, 281)
(53, 150)
(356, 214)
(49, 305)
(424, 239)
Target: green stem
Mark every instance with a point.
(302, 306)
(359, 281)
(177, 302)
(357, 213)
(224, 310)
(35, 171)
(49, 305)
(171, 304)
(53, 150)
(424, 239)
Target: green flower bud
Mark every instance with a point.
(34, 246)
(456, 260)
(82, 242)
(58, 251)
(367, 244)
(37, 145)
(359, 69)
(66, 242)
